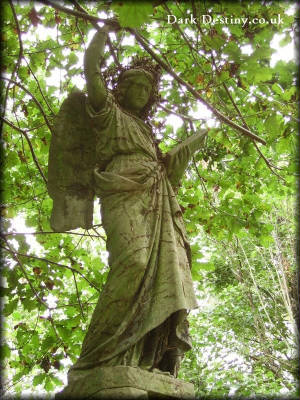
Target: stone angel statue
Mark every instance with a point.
(104, 147)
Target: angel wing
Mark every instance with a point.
(70, 166)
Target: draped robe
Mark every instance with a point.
(140, 318)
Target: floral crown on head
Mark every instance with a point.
(115, 74)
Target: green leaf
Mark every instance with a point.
(64, 332)
(49, 385)
(289, 93)
(29, 304)
(207, 266)
(4, 351)
(4, 291)
(272, 125)
(38, 379)
(277, 89)
(48, 342)
(10, 307)
(233, 50)
(262, 74)
(133, 14)
(72, 59)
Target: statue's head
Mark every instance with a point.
(134, 90)
(136, 86)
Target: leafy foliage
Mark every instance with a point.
(237, 195)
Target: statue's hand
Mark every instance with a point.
(112, 25)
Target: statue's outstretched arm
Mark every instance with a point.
(177, 159)
(95, 85)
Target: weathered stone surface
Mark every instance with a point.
(124, 382)
(103, 145)
(121, 393)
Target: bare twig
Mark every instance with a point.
(53, 233)
(80, 33)
(185, 117)
(239, 243)
(40, 89)
(112, 52)
(94, 23)
(95, 230)
(78, 296)
(50, 48)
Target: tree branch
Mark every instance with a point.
(17, 65)
(40, 89)
(143, 43)
(78, 297)
(34, 99)
(29, 144)
(94, 23)
(52, 262)
(71, 11)
(53, 233)
(184, 117)
(192, 49)
(16, 258)
(269, 165)
(112, 52)
(217, 113)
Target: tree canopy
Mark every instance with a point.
(238, 195)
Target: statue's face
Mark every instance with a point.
(137, 94)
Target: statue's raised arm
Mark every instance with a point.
(94, 81)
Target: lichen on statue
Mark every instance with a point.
(140, 319)
(134, 91)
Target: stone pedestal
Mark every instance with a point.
(123, 382)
